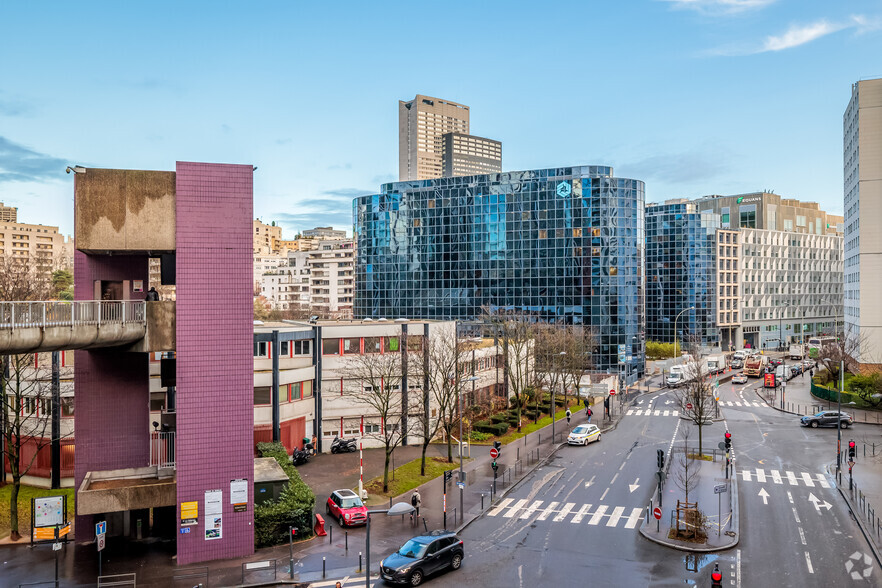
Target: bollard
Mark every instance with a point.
(346, 534)
(323, 566)
(482, 501)
(454, 515)
(540, 439)
(330, 534)
(519, 453)
(359, 562)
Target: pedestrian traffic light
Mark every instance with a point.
(493, 465)
(661, 458)
(728, 440)
(716, 577)
(497, 445)
(852, 450)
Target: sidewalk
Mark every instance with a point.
(720, 509)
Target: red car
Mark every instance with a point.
(347, 508)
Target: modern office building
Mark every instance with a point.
(791, 287)
(563, 244)
(728, 288)
(862, 189)
(468, 155)
(764, 210)
(681, 274)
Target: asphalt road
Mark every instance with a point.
(575, 520)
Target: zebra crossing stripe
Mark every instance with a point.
(529, 511)
(807, 478)
(635, 517)
(760, 476)
(500, 507)
(577, 518)
(548, 510)
(514, 509)
(598, 514)
(776, 476)
(822, 481)
(615, 516)
(791, 478)
(564, 512)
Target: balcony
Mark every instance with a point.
(162, 449)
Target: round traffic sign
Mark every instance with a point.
(656, 512)
(494, 453)
(612, 392)
(688, 406)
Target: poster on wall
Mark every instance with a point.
(189, 513)
(214, 507)
(49, 511)
(239, 494)
(137, 285)
(213, 527)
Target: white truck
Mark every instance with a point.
(797, 352)
(716, 364)
(685, 372)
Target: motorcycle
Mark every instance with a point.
(299, 457)
(339, 445)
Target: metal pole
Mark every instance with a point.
(291, 550)
(367, 552)
(274, 342)
(56, 423)
(839, 418)
(56, 555)
(461, 479)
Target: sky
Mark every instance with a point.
(693, 97)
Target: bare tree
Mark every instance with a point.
(695, 397)
(551, 347)
(27, 404)
(686, 474)
(516, 333)
(847, 349)
(578, 362)
(378, 377)
(25, 278)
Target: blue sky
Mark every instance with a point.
(692, 96)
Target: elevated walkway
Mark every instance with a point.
(30, 327)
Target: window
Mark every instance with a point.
(263, 395)
(351, 345)
(748, 219)
(294, 391)
(302, 347)
(261, 349)
(390, 344)
(414, 343)
(371, 344)
(67, 406)
(306, 389)
(330, 346)
(371, 428)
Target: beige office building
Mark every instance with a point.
(862, 189)
(265, 237)
(8, 214)
(42, 245)
(468, 155)
(422, 122)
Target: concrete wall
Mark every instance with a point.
(125, 210)
(215, 420)
(111, 419)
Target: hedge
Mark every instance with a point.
(491, 428)
(294, 507)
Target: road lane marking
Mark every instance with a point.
(635, 517)
(790, 497)
(514, 509)
(791, 477)
(807, 478)
(564, 512)
(500, 507)
(602, 496)
(528, 512)
(801, 535)
(615, 516)
(598, 514)
(796, 515)
(808, 562)
(822, 480)
(613, 481)
(591, 481)
(760, 476)
(776, 476)
(577, 518)
(548, 510)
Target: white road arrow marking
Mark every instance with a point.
(589, 482)
(667, 402)
(635, 485)
(818, 503)
(764, 495)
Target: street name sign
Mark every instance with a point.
(719, 488)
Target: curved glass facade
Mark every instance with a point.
(564, 244)
(681, 272)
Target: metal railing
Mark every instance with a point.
(162, 449)
(54, 313)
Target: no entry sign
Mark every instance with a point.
(494, 453)
(612, 392)
(656, 512)
(688, 406)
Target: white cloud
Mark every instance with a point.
(800, 35)
(719, 6)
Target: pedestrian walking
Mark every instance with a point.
(314, 444)
(569, 414)
(811, 373)
(589, 412)
(415, 501)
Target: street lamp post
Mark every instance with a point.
(839, 413)
(783, 347)
(471, 379)
(553, 405)
(399, 508)
(676, 339)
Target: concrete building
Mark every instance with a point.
(791, 286)
(265, 237)
(8, 214)
(39, 244)
(468, 155)
(728, 299)
(564, 245)
(422, 122)
(201, 448)
(764, 210)
(862, 189)
(323, 233)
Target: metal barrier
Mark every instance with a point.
(118, 580)
(162, 449)
(49, 583)
(254, 567)
(18, 315)
(190, 574)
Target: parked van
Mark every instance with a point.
(675, 376)
(716, 364)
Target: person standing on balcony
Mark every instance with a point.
(152, 295)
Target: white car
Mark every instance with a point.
(584, 434)
(739, 379)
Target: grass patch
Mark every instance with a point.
(701, 457)
(407, 476)
(25, 494)
(531, 427)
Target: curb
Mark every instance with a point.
(855, 515)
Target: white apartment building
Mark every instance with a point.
(862, 190)
(40, 244)
(791, 286)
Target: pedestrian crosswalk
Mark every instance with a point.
(791, 478)
(651, 412)
(511, 508)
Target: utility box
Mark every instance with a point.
(269, 479)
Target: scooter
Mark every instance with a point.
(299, 457)
(339, 445)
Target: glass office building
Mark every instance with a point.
(681, 272)
(565, 245)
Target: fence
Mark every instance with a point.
(162, 449)
(15, 315)
(859, 416)
(192, 575)
(121, 580)
(861, 506)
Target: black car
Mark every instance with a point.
(775, 361)
(422, 556)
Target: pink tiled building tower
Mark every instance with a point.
(190, 475)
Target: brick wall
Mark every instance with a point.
(215, 420)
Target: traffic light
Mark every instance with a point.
(852, 450)
(497, 445)
(716, 577)
(660, 455)
(728, 440)
(494, 465)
